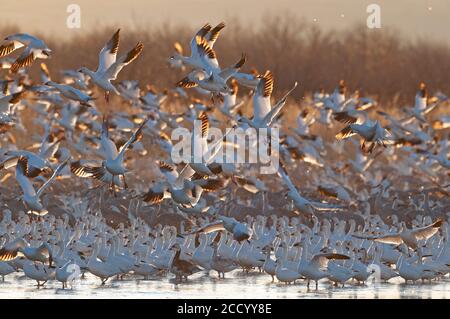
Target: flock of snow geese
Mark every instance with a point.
(75, 182)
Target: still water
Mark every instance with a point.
(201, 285)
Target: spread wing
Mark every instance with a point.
(52, 178)
(9, 47)
(98, 173)
(321, 260)
(108, 53)
(230, 71)
(427, 231)
(135, 137)
(261, 99)
(21, 176)
(153, 196)
(112, 72)
(108, 146)
(25, 59)
(216, 226)
(272, 115)
(393, 239)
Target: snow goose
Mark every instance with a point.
(71, 93)
(103, 270)
(283, 273)
(7, 102)
(315, 268)
(230, 106)
(65, 273)
(114, 160)
(153, 99)
(386, 272)
(370, 132)
(35, 49)
(31, 197)
(210, 77)
(301, 203)
(423, 105)
(264, 114)
(194, 59)
(222, 259)
(240, 231)
(109, 66)
(203, 254)
(38, 272)
(409, 272)
(6, 269)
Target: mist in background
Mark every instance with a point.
(422, 18)
(315, 42)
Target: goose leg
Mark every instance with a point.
(113, 186)
(125, 185)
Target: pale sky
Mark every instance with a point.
(415, 18)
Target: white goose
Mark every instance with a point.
(264, 114)
(114, 160)
(38, 272)
(31, 197)
(194, 61)
(109, 66)
(103, 270)
(71, 93)
(6, 269)
(35, 49)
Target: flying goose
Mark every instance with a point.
(35, 48)
(264, 114)
(109, 65)
(410, 237)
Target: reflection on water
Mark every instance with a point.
(202, 285)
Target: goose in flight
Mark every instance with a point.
(410, 237)
(71, 93)
(109, 65)
(19, 247)
(209, 33)
(210, 77)
(264, 114)
(423, 104)
(34, 49)
(230, 106)
(239, 230)
(301, 203)
(36, 163)
(177, 186)
(31, 197)
(7, 102)
(114, 159)
(370, 132)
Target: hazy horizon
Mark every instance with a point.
(412, 18)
